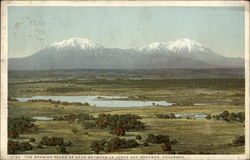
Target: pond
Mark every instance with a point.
(100, 101)
(191, 115)
(43, 118)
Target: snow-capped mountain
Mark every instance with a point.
(155, 47)
(186, 46)
(76, 53)
(76, 43)
(179, 46)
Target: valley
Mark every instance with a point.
(89, 129)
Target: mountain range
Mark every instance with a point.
(79, 53)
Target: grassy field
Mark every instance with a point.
(195, 136)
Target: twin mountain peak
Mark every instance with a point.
(79, 53)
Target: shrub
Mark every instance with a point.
(39, 146)
(14, 147)
(125, 121)
(174, 141)
(138, 137)
(68, 144)
(75, 130)
(13, 133)
(166, 116)
(61, 149)
(166, 147)
(145, 144)
(157, 139)
(20, 125)
(120, 131)
(229, 117)
(52, 141)
(33, 140)
(239, 141)
(112, 144)
(97, 146)
(208, 117)
(89, 125)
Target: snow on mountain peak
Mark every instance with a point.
(155, 46)
(179, 46)
(75, 43)
(185, 45)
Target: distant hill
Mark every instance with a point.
(77, 53)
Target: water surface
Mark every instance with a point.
(43, 118)
(99, 101)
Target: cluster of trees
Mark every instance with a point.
(229, 117)
(125, 122)
(113, 144)
(166, 116)
(52, 141)
(59, 102)
(56, 141)
(14, 147)
(19, 125)
(238, 141)
(157, 139)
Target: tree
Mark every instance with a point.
(166, 147)
(13, 134)
(101, 124)
(120, 131)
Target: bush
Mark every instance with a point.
(229, 117)
(13, 133)
(52, 141)
(19, 125)
(98, 146)
(126, 121)
(239, 141)
(75, 130)
(145, 144)
(33, 140)
(39, 146)
(208, 117)
(157, 139)
(112, 145)
(174, 141)
(68, 144)
(89, 125)
(166, 116)
(14, 147)
(61, 149)
(138, 137)
(120, 131)
(166, 147)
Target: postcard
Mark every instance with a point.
(125, 80)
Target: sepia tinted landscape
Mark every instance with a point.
(188, 112)
(126, 80)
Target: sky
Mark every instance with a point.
(32, 28)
